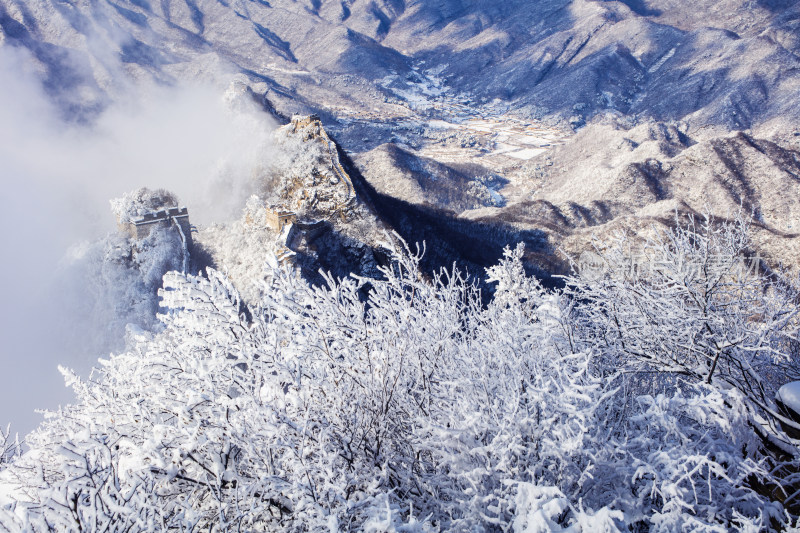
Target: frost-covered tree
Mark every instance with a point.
(693, 302)
(104, 286)
(415, 408)
(140, 202)
(9, 446)
(702, 335)
(111, 283)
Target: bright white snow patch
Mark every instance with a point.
(789, 394)
(528, 153)
(661, 61)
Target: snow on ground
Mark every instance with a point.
(515, 138)
(528, 153)
(789, 394)
(432, 122)
(499, 141)
(427, 103)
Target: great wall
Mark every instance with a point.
(330, 199)
(291, 227)
(169, 217)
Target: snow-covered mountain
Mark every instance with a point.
(729, 64)
(435, 100)
(591, 335)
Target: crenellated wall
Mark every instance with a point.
(140, 228)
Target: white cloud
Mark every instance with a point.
(57, 179)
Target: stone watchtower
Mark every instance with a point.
(278, 218)
(311, 123)
(141, 227)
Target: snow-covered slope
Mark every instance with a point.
(433, 98)
(730, 64)
(426, 392)
(325, 224)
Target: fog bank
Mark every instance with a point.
(202, 142)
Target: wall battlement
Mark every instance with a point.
(301, 122)
(163, 214)
(141, 227)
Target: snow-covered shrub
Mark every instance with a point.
(703, 337)
(516, 404)
(138, 203)
(9, 446)
(542, 509)
(302, 417)
(415, 409)
(113, 282)
(690, 301)
(291, 165)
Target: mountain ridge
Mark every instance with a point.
(398, 82)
